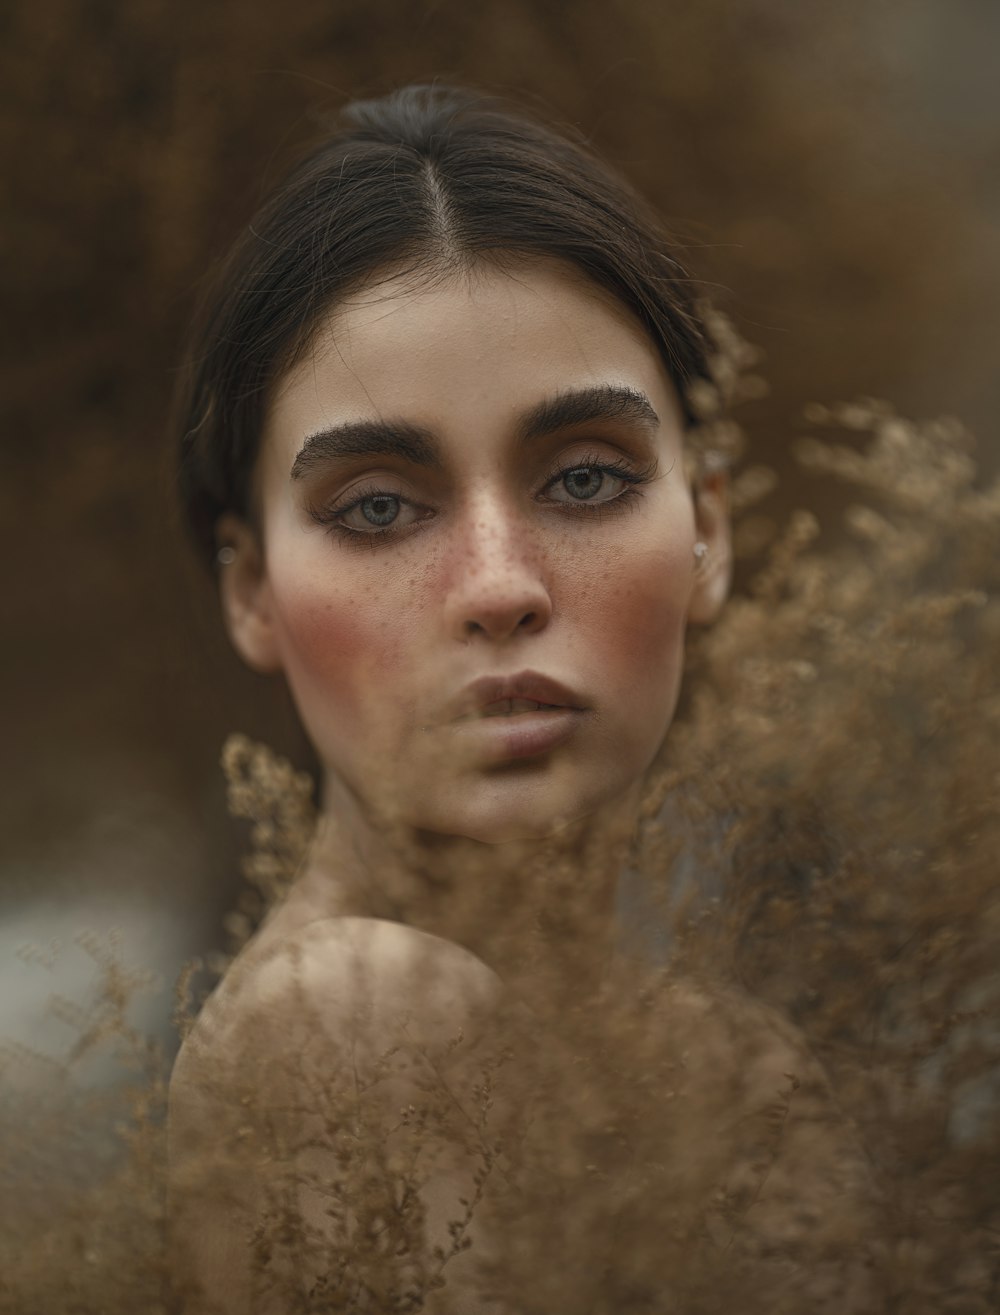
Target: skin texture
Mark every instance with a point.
(328, 998)
(261, 1083)
(430, 867)
(492, 567)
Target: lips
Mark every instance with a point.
(507, 696)
(508, 707)
(498, 721)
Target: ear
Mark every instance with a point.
(245, 594)
(713, 574)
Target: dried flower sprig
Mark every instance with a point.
(268, 791)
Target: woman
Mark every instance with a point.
(435, 437)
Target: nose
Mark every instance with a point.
(497, 587)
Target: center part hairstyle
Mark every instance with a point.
(429, 180)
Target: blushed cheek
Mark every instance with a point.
(642, 624)
(338, 653)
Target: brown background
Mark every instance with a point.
(834, 166)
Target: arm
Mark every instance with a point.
(322, 1125)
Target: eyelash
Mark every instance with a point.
(329, 517)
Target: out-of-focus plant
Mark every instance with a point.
(820, 839)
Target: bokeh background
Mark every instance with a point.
(834, 168)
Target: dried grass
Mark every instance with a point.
(665, 1140)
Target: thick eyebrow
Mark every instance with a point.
(397, 438)
(583, 406)
(366, 438)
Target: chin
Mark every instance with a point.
(535, 815)
(513, 831)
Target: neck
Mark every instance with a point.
(522, 906)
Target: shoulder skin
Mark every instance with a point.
(303, 1090)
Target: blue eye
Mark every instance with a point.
(379, 509)
(584, 483)
(374, 513)
(591, 483)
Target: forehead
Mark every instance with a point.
(477, 344)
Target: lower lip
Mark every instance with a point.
(511, 736)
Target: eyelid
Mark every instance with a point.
(330, 513)
(367, 486)
(633, 469)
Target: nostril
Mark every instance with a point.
(526, 622)
(499, 613)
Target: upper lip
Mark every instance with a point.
(479, 694)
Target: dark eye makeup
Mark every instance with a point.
(591, 485)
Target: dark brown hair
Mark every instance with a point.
(429, 179)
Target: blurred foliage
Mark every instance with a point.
(832, 168)
(638, 1138)
(827, 162)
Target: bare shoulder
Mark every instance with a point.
(720, 1030)
(295, 1081)
(346, 983)
(383, 963)
(761, 1067)
(798, 1186)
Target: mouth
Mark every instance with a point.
(511, 707)
(507, 719)
(513, 696)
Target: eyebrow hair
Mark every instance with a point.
(397, 438)
(581, 406)
(366, 438)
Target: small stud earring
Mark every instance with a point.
(700, 554)
(226, 556)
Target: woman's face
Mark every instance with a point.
(477, 551)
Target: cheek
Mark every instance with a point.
(639, 629)
(323, 635)
(340, 647)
